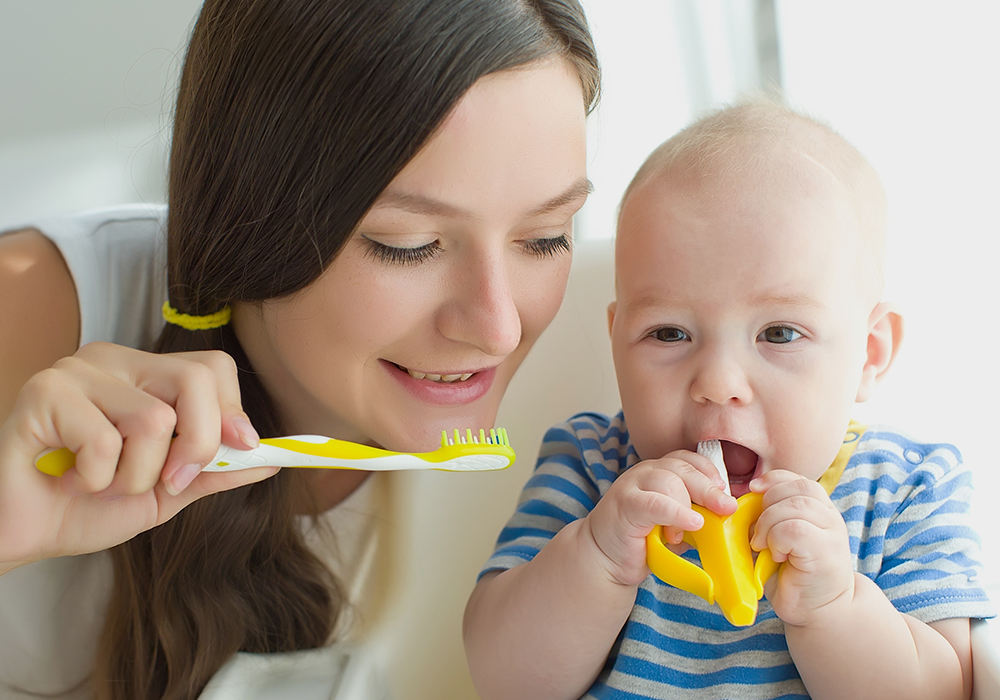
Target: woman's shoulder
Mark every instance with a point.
(116, 257)
(39, 307)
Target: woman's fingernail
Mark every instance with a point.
(182, 478)
(246, 432)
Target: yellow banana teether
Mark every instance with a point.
(729, 575)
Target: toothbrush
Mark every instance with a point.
(460, 453)
(713, 450)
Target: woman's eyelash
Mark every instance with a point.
(392, 255)
(545, 247)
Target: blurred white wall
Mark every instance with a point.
(85, 98)
(914, 87)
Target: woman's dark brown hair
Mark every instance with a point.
(292, 116)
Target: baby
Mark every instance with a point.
(748, 310)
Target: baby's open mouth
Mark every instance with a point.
(440, 378)
(741, 463)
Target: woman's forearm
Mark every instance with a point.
(544, 629)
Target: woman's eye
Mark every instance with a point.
(547, 247)
(391, 255)
(779, 334)
(670, 335)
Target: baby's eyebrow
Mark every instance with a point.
(766, 299)
(802, 300)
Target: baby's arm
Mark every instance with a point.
(845, 636)
(545, 628)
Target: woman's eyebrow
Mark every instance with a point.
(579, 189)
(419, 204)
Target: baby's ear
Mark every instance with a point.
(885, 333)
(611, 315)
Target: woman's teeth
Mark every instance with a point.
(443, 378)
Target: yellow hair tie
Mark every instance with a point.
(196, 323)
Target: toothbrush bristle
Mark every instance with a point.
(496, 436)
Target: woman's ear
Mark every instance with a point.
(611, 315)
(885, 333)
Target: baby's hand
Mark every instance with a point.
(654, 492)
(802, 528)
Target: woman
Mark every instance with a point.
(382, 193)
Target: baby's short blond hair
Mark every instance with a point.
(736, 141)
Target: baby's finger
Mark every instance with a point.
(702, 480)
(771, 479)
(785, 485)
(703, 464)
(795, 506)
(662, 499)
(794, 537)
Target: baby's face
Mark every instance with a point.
(739, 317)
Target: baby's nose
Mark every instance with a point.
(720, 379)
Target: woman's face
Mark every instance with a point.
(420, 322)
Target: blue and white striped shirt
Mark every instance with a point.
(906, 505)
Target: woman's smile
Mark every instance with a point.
(445, 388)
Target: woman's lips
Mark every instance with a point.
(446, 389)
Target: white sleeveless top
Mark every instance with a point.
(52, 612)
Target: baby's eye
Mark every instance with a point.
(670, 334)
(779, 334)
(391, 255)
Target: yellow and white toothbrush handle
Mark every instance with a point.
(462, 453)
(313, 451)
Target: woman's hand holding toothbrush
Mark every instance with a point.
(117, 409)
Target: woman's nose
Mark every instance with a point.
(721, 379)
(483, 311)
